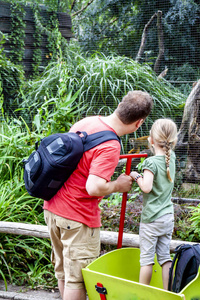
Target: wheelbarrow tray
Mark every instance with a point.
(118, 272)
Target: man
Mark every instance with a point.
(73, 215)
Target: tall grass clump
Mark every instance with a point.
(101, 82)
(23, 260)
(11, 78)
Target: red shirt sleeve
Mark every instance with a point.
(105, 160)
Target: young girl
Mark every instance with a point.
(157, 218)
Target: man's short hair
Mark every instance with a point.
(135, 105)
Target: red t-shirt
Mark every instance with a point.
(72, 200)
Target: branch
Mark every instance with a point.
(144, 37)
(109, 23)
(82, 9)
(163, 73)
(188, 114)
(73, 3)
(160, 42)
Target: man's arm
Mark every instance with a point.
(97, 186)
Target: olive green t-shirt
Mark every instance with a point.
(158, 202)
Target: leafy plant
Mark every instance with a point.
(195, 220)
(37, 52)
(102, 82)
(11, 78)
(17, 32)
(184, 229)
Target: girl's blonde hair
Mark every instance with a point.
(164, 134)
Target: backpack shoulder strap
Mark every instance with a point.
(177, 251)
(196, 249)
(94, 139)
(171, 271)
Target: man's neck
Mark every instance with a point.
(114, 122)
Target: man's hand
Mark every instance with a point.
(97, 186)
(124, 183)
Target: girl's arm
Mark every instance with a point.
(145, 182)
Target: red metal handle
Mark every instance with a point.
(101, 290)
(124, 197)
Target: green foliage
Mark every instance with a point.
(11, 77)
(183, 17)
(184, 229)
(195, 220)
(117, 26)
(55, 5)
(26, 260)
(37, 52)
(14, 145)
(55, 39)
(20, 256)
(107, 26)
(57, 115)
(106, 79)
(17, 35)
(98, 81)
(50, 105)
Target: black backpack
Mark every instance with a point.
(186, 261)
(57, 156)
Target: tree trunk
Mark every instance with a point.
(160, 43)
(144, 37)
(189, 135)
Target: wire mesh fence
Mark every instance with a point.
(148, 45)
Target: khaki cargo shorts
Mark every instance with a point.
(74, 246)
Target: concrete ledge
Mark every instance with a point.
(31, 295)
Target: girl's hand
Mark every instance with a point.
(145, 182)
(134, 174)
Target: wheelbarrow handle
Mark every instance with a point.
(124, 196)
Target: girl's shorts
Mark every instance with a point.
(155, 237)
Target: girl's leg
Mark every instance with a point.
(145, 274)
(165, 274)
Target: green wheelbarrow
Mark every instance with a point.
(115, 275)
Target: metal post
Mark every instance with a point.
(124, 197)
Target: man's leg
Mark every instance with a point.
(61, 286)
(70, 294)
(78, 294)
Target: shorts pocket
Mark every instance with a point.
(67, 224)
(77, 252)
